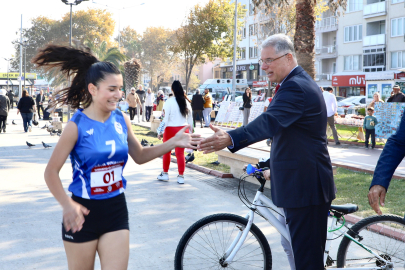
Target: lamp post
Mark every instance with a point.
(234, 52)
(119, 18)
(24, 45)
(8, 69)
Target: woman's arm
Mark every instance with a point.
(73, 213)
(145, 154)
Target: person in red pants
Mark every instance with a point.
(177, 114)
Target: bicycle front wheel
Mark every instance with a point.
(385, 235)
(204, 244)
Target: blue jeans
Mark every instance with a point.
(27, 120)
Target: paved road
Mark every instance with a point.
(30, 218)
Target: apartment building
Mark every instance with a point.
(247, 63)
(363, 51)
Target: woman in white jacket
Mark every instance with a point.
(177, 114)
(149, 99)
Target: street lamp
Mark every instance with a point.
(24, 45)
(119, 18)
(8, 69)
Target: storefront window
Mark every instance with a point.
(352, 91)
(253, 74)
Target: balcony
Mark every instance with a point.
(374, 40)
(326, 24)
(326, 52)
(323, 77)
(374, 10)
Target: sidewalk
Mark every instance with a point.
(345, 155)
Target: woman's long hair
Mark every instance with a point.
(179, 94)
(250, 94)
(82, 65)
(24, 93)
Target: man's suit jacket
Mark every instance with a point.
(300, 166)
(197, 103)
(38, 99)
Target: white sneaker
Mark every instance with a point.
(180, 179)
(29, 128)
(163, 177)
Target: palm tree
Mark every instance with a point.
(304, 38)
(104, 53)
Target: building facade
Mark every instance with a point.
(363, 51)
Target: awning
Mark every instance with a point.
(14, 82)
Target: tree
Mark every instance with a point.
(95, 25)
(156, 57)
(304, 38)
(130, 40)
(206, 33)
(105, 53)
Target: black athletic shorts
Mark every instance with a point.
(105, 216)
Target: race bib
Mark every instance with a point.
(105, 179)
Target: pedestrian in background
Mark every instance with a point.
(197, 104)
(141, 106)
(160, 101)
(98, 139)
(149, 99)
(10, 95)
(207, 107)
(39, 99)
(369, 126)
(26, 105)
(247, 104)
(376, 99)
(4, 108)
(133, 101)
(397, 95)
(177, 114)
(331, 111)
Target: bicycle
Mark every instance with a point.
(227, 241)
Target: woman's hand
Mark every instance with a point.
(160, 137)
(186, 140)
(73, 216)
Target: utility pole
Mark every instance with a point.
(20, 86)
(234, 52)
(8, 70)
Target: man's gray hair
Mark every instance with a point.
(197, 91)
(281, 44)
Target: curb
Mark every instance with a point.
(205, 170)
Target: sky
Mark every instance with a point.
(169, 14)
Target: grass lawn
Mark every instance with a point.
(346, 133)
(352, 187)
(200, 158)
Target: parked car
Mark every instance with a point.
(349, 103)
(339, 98)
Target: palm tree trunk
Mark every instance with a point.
(304, 39)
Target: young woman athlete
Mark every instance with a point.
(98, 140)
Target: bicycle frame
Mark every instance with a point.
(260, 203)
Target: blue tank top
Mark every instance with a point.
(99, 157)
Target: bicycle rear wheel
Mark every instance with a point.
(385, 235)
(204, 244)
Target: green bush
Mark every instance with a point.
(362, 111)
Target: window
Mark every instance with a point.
(397, 27)
(354, 5)
(242, 53)
(396, 1)
(253, 29)
(251, 9)
(398, 59)
(253, 52)
(334, 67)
(374, 61)
(253, 74)
(244, 32)
(352, 62)
(216, 74)
(353, 33)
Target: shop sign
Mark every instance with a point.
(349, 80)
(260, 84)
(238, 68)
(400, 76)
(14, 75)
(375, 76)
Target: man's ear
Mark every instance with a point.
(92, 89)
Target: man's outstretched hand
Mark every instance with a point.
(376, 195)
(218, 141)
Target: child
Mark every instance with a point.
(369, 126)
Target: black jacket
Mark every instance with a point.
(4, 105)
(247, 101)
(25, 104)
(400, 97)
(38, 99)
(301, 169)
(142, 95)
(197, 103)
(10, 95)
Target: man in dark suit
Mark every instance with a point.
(301, 171)
(197, 104)
(39, 99)
(11, 98)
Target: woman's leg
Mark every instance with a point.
(181, 162)
(113, 249)
(25, 121)
(167, 157)
(245, 119)
(81, 256)
(30, 115)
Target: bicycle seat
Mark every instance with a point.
(345, 209)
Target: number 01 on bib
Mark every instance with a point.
(105, 179)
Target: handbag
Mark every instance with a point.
(241, 108)
(34, 120)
